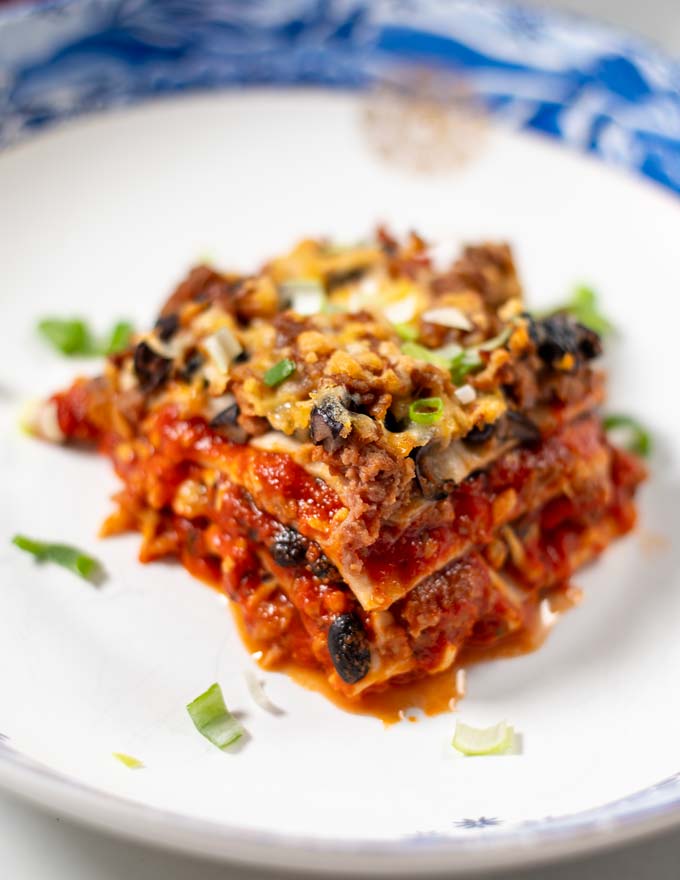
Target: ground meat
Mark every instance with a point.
(487, 269)
(443, 609)
(203, 284)
(289, 326)
(377, 484)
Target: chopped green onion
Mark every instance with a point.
(496, 740)
(73, 337)
(633, 436)
(61, 554)
(307, 295)
(331, 308)
(407, 332)
(119, 338)
(495, 341)
(279, 372)
(467, 361)
(426, 411)
(450, 351)
(459, 361)
(583, 306)
(258, 694)
(128, 760)
(420, 353)
(213, 720)
(70, 337)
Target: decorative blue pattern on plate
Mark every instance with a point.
(575, 80)
(599, 91)
(482, 822)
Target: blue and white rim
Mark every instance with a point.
(594, 89)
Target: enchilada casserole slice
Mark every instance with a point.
(381, 462)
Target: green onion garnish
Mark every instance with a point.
(70, 337)
(426, 411)
(62, 554)
(306, 295)
(584, 307)
(466, 362)
(119, 338)
(633, 436)
(212, 718)
(495, 341)
(279, 372)
(407, 332)
(73, 337)
(496, 740)
(330, 308)
(128, 760)
(459, 361)
(420, 353)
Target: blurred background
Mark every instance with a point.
(37, 845)
(657, 20)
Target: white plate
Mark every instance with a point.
(101, 218)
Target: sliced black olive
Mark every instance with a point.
(393, 424)
(434, 485)
(289, 548)
(589, 344)
(321, 566)
(151, 368)
(480, 434)
(193, 362)
(327, 421)
(228, 416)
(167, 326)
(356, 403)
(349, 648)
(227, 423)
(242, 357)
(520, 427)
(558, 335)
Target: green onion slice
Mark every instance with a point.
(496, 740)
(583, 306)
(128, 760)
(468, 361)
(72, 337)
(62, 554)
(495, 341)
(420, 353)
(633, 436)
(307, 295)
(407, 332)
(331, 308)
(213, 720)
(119, 338)
(426, 411)
(279, 372)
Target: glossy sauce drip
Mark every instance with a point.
(433, 694)
(539, 620)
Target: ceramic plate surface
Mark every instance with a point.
(101, 217)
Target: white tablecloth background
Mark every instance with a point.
(43, 846)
